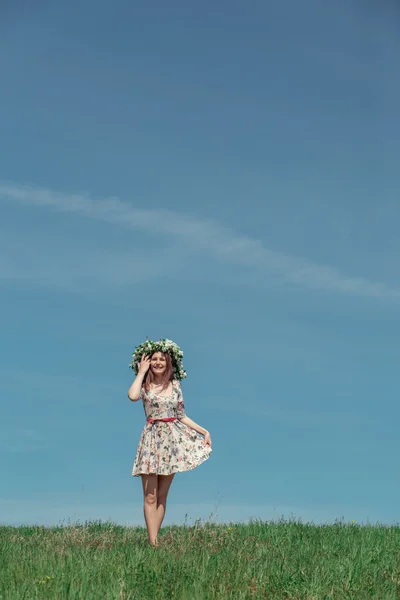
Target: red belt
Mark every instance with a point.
(165, 419)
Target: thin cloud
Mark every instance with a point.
(202, 235)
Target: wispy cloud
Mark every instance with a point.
(202, 235)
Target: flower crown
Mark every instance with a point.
(163, 345)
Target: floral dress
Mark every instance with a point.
(167, 447)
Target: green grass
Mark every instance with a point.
(272, 560)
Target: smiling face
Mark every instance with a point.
(158, 363)
(160, 372)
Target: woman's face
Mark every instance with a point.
(158, 363)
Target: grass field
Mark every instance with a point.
(271, 560)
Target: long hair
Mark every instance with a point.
(167, 377)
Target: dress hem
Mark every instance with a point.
(175, 471)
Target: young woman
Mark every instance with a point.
(170, 441)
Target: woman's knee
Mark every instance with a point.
(150, 489)
(150, 498)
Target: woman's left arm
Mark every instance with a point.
(181, 414)
(193, 425)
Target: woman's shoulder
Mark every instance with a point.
(176, 384)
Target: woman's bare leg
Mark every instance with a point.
(164, 483)
(150, 485)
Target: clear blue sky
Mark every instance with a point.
(224, 174)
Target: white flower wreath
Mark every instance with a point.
(163, 345)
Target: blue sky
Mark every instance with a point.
(225, 175)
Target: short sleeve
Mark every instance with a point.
(180, 409)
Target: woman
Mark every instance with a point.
(170, 441)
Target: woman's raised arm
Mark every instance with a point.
(136, 387)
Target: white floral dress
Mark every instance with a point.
(167, 447)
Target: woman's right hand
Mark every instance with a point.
(144, 365)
